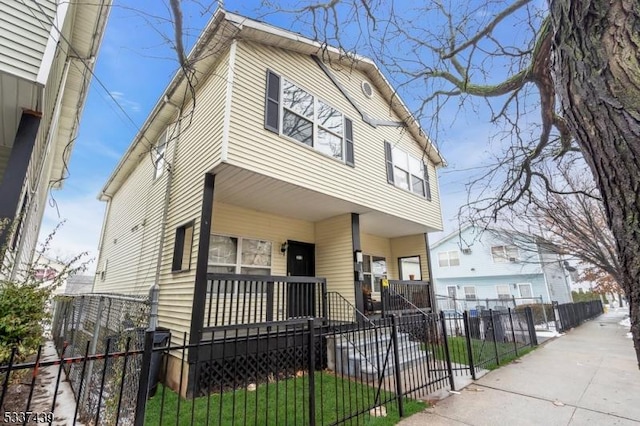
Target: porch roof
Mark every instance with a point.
(247, 189)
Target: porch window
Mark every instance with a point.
(407, 172)
(159, 152)
(238, 255)
(505, 254)
(307, 119)
(374, 268)
(503, 291)
(470, 293)
(448, 258)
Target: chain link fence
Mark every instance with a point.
(99, 324)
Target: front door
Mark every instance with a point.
(451, 296)
(301, 262)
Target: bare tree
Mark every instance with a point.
(579, 61)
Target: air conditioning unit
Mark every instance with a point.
(513, 259)
(466, 250)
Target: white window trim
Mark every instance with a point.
(504, 258)
(408, 171)
(373, 276)
(448, 253)
(238, 265)
(508, 286)
(475, 293)
(159, 152)
(520, 291)
(314, 121)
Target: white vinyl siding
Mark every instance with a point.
(253, 147)
(334, 255)
(24, 31)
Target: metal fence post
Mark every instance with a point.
(531, 326)
(398, 372)
(445, 343)
(467, 335)
(493, 336)
(311, 357)
(513, 331)
(143, 384)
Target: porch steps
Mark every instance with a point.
(361, 354)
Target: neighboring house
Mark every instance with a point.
(79, 284)
(50, 271)
(292, 160)
(471, 266)
(47, 52)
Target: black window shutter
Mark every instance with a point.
(389, 161)
(272, 103)
(348, 137)
(427, 186)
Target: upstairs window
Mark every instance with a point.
(505, 254)
(295, 113)
(406, 171)
(158, 155)
(448, 258)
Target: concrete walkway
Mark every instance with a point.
(589, 376)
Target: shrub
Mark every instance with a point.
(538, 310)
(25, 297)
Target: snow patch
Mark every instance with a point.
(629, 336)
(625, 322)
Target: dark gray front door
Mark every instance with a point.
(301, 297)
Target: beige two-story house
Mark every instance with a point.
(48, 50)
(271, 172)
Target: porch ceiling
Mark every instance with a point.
(254, 191)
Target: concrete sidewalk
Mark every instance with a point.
(589, 376)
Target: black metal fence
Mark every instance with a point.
(336, 369)
(484, 340)
(569, 315)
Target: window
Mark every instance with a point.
(45, 274)
(448, 258)
(406, 171)
(410, 268)
(182, 248)
(239, 256)
(159, 152)
(525, 290)
(374, 268)
(504, 292)
(470, 293)
(307, 119)
(504, 254)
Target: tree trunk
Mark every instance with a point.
(596, 67)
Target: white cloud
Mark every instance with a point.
(81, 231)
(125, 103)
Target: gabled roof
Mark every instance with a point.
(220, 31)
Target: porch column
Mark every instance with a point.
(13, 177)
(200, 286)
(432, 286)
(357, 268)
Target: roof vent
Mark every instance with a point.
(367, 89)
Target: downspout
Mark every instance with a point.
(155, 288)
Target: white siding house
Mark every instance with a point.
(293, 160)
(473, 268)
(47, 53)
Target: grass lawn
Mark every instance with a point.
(484, 352)
(282, 402)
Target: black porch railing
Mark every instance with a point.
(407, 296)
(249, 299)
(569, 315)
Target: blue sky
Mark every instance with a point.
(134, 65)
